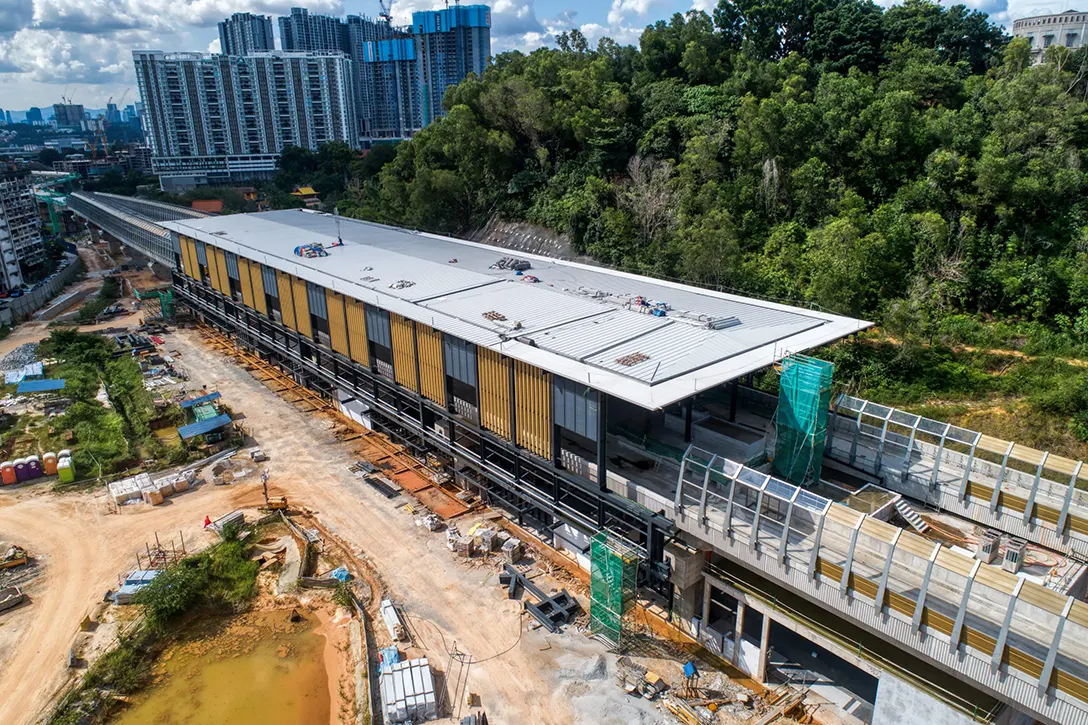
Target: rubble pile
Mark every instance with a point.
(20, 357)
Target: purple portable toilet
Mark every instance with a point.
(34, 467)
(21, 471)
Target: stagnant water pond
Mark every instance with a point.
(254, 669)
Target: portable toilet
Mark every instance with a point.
(66, 453)
(34, 467)
(65, 470)
(7, 473)
(49, 464)
(22, 473)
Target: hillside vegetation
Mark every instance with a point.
(908, 166)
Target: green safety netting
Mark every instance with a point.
(804, 397)
(612, 583)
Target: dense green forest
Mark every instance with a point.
(901, 163)
(909, 165)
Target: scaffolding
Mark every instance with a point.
(613, 576)
(804, 398)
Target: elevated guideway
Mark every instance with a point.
(1009, 637)
(133, 222)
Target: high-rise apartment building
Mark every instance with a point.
(246, 33)
(316, 33)
(68, 115)
(20, 227)
(387, 78)
(113, 113)
(217, 118)
(34, 115)
(450, 44)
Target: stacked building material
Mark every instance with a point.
(513, 551)
(408, 693)
(466, 546)
(393, 622)
(489, 540)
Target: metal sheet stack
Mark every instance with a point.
(408, 693)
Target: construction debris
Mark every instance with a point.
(13, 557)
(20, 357)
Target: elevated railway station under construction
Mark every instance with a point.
(942, 565)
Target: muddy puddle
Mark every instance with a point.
(255, 669)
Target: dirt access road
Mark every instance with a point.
(519, 675)
(82, 550)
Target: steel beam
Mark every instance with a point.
(786, 526)
(920, 603)
(816, 543)
(882, 586)
(1052, 655)
(678, 499)
(967, 469)
(845, 581)
(1000, 478)
(754, 539)
(940, 453)
(1029, 509)
(1068, 499)
(1003, 635)
(706, 485)
(957, 627)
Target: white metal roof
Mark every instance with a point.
(578, 321)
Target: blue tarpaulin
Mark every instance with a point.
(205, 426)
(202, 399)
(40, 386)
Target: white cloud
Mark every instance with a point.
(707, 6)
(622, 9)
(215, 47)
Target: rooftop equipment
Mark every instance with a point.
(1014, 555)
(989, 546)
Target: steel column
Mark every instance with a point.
(1003, 635)
(920, 603)
(1000, 478)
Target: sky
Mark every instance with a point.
(83, 48)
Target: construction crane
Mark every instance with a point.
(387, 11)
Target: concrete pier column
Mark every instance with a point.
(738, 631)
(764, 648)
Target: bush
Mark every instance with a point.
(222, 577)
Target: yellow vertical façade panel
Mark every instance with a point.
(404, 352)
(532, 390)
(356, 317)
(188, 257)
(247, 285)
(287, 304)
(338, 329)
(494, 392)
(213, 268)
(432, 376)
(221, 265)
(257, 280)
(302, 307)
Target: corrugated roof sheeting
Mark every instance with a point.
(205, 426)
(40, 386)
(515, 309)
(579, 340)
